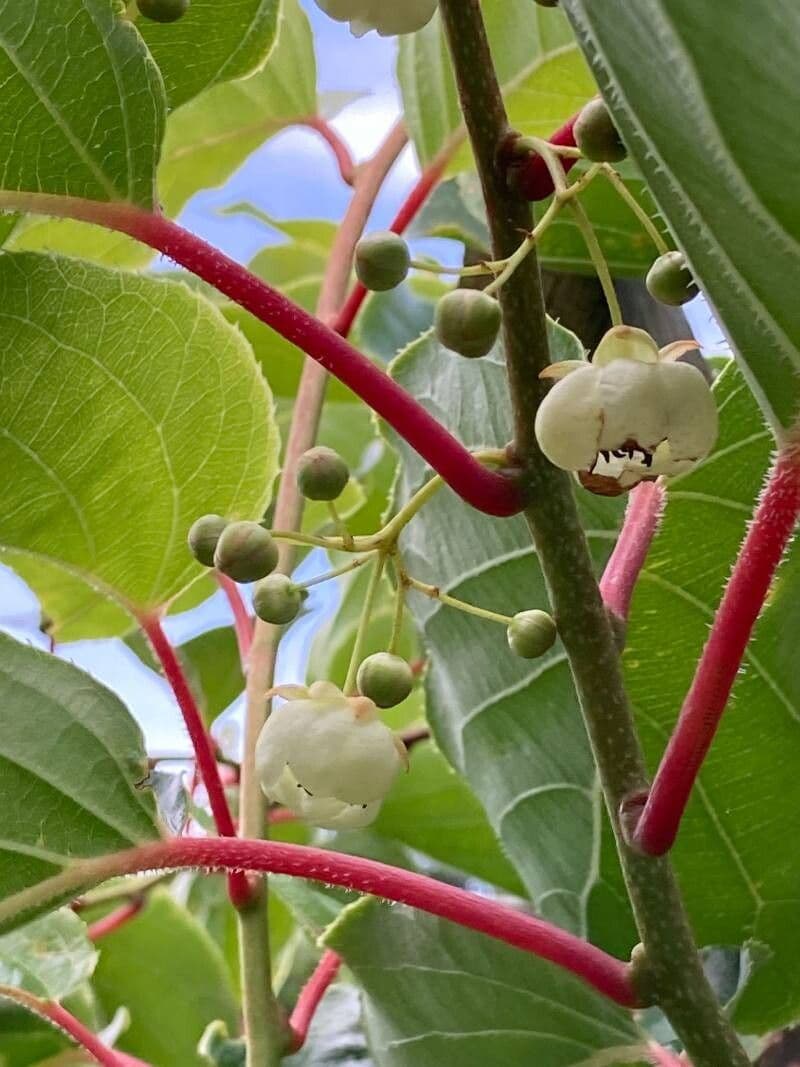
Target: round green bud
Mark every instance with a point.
(163, 10)
(246, 552)
(531, 634)
(670, 281)
(277, 599)
(468, 321)
(322, 474)
(385, 679)
(203, 537)
(597, 136)
(382, 260)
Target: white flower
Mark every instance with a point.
(630, 415)
(328, 757)
(388, 17)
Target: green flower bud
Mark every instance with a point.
(468, 321)
(203, 537)
(531, 634)
(670, 281)
(278, 600)
(163, 10)
(597, 136)
(246, 552)
(385, 679)
(382, 261)
(322, 474)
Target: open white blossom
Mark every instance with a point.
(388, 17)
(630, 415)
(328, 757)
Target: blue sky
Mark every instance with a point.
(292, 176)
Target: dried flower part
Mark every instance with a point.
(327, 757)
(631, 415)
(388, 17)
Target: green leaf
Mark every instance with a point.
(739, 879)
(336, 1037)
(205, 48)
(83, 103)
(129, 407)
(25, 1039)
(437, 994)
(210, 661)
(717, 159)
(392, 320)
(71, 765)
(431, 810)
(211, 136)
(544, 78)
(51, 957)
(165, 969)
(456, 210)
(80, 239)
(511, 727)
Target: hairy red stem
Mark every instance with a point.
(202, 744)
(645, 504)
(607, 975)
(242, 622)
(771, 530)
(115, 919)
(402, 220)
(531, 175)
(486, 490)
(311, 996)
(341, 151)
(72, 1027)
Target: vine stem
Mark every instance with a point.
(72, 1027)
(341, 151)
(670, 969)
(311, 996)
(484, 489)
(609, 976)
(769, 534)
(642, 516)
(242, 622)
(121, 916)
(263, 1026)
(206, 760)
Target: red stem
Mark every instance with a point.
(115, 919)
(771, 530)
(73, 1028)
(406, 214)
(205, 757)
(242, 622)
(531, 175)
(311, 996)
(486, 490)
(645, 505)
(606, 974)
(344, 158)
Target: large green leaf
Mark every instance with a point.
(165, 969)
(83, 102)
(129, 407)
(205, 48)
(511, 727)
(456, 210)
(50, 957)
(718, 160)
(739, 878)
(72, 763)
(437, 995)
(212, 135)
(336, 1038)
(539, 66)
(431, 810)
